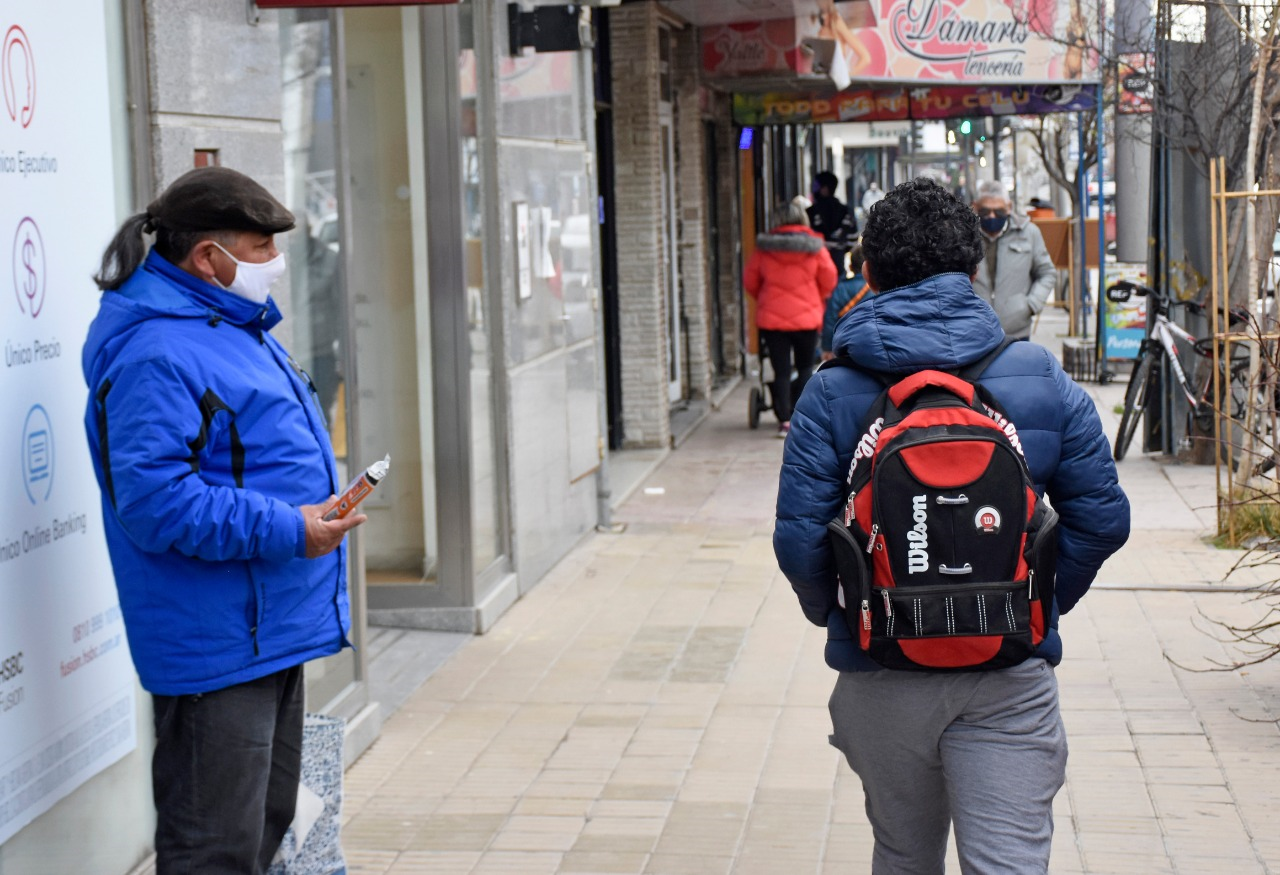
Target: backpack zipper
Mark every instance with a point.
(866, 615)
(871, 541)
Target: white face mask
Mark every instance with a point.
(253, 281)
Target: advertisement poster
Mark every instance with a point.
(1124, 325)
(919, 103)
(66, 680)
(988, 41)
(1133, 79)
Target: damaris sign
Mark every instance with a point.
(974, 41)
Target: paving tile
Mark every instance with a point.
(692, 864)
(592, 862)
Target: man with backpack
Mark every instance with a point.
(911, 524)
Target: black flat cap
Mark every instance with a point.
(218, 199)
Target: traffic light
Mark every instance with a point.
(966, 127)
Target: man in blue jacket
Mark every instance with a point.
(984, 752)
(214, 463)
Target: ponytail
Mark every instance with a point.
(124, 254)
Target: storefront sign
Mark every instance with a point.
(937, 102)
(979, 41)
(313, 4)
(66, 680)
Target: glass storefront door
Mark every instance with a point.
(316, 298)
(389, 287)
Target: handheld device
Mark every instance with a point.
(357, 490)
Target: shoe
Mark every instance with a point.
(784, 429)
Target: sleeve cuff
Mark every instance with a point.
(300, 550)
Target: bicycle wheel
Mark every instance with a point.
(1135, 400)
(1250, 438)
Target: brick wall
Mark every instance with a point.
(691, 198)
(729, 234)
(633, 30)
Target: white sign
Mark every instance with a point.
(524, 264)
(66, 680)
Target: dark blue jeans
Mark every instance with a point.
(225, 775)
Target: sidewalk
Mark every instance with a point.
(658, 704)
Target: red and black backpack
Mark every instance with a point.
(946, 555)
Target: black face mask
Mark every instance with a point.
(994, 224)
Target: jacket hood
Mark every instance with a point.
(937, 323)
(160, 289)
(790, 238)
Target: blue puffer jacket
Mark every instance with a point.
(940, 323)
(206, 437)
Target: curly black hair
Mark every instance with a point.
(919, 230)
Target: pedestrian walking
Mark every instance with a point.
(1017, 273)
(851, 291)
(214, 462)
(790, 276)
(979, 752)
(872, 196)
(831, 218)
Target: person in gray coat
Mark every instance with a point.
(1016, 274)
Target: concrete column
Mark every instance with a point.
(638, 161)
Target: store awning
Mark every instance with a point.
(316, 4)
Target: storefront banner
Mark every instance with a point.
(925, 102)
(66, 680)
(312, 4)
(979, 41)
(1133, 77)
(1124, 325)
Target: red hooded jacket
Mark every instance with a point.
(791, 276)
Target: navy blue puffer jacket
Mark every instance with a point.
(206, 437)
(940, 323)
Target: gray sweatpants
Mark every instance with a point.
(983, 750)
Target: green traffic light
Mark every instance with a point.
(966, 127)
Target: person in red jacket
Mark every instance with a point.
(791, 276)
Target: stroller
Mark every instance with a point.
(760, 399)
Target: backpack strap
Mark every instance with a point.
(853, 302)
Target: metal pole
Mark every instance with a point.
(1213, 328)
(1224, 302)
(1013, 135)
(1082, 208)
(1102, 220)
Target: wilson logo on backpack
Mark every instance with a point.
(945, 553)
(918, 537)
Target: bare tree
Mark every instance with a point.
(1053, 136)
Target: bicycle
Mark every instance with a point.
(1161, 342)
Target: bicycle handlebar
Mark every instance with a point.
(1122, 290)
